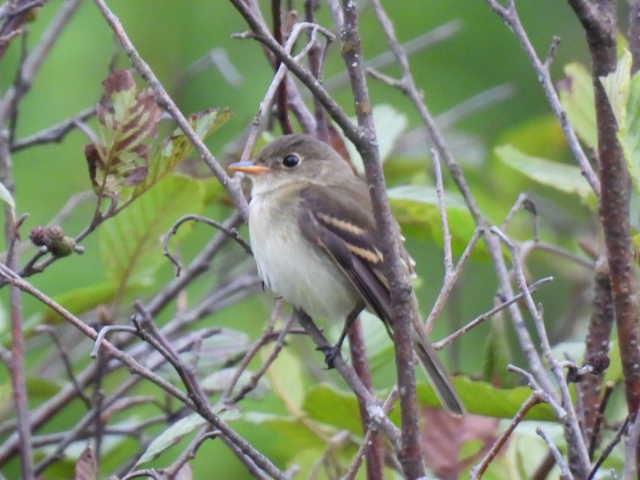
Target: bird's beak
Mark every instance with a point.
(247, 166)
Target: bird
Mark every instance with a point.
(315, 242)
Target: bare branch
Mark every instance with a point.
(480, 468)
(55, 133)
(230, 232)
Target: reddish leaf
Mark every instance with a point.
(128, 120)
(87, 466)
(444, 436)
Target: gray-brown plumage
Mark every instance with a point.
(315, 241)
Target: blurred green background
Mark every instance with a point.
(172, 35)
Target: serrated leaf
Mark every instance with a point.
(576, 95)
(178, 147)
(416, 208)
(563, 177)
(127, 120)
(130, 243)
(616, 86)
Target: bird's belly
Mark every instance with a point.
(298, 271)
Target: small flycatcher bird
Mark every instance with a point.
(314, 238)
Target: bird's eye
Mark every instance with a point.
(291, 161)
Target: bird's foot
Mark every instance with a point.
(331, 352)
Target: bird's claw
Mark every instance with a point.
(331, 352)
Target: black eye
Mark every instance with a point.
(291, 161)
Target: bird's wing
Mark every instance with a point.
(344, 228)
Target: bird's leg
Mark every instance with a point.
(332, 351)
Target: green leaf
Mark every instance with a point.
(616, 86)
(498, 355)
(178, 147)
(482, 398)
(130, 244)
(563, 177)
(614, 371)
(416, 208)
(629, 132)
(82, 299)
(127, 120)
(326, 404)
(286, 376)
(576, 96)
(172, 436)
(287, 431)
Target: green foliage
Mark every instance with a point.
(177, 147)
(130, 243)
(576, 94)
(623, 92)
(82, 299)
(172, 436)
(416, 208)
(562, 177)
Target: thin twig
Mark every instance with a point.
(192, 401)
(478, 471)
(575, 438)
(485, 316)
(375, 412)
(17, 365)
(54, 134)
(230, 232)
(371, 430)
(565, 473)
(609, 448)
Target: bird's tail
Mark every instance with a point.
(436, 372)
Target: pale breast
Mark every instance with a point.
(292, 267)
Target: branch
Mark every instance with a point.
(409, 87)
(487, 315)
(600, 24)
(376, 414)
(17, 364)
(478, 470)
(193, 402)
(374, 448)
(575, 439)
(403, 301)
(232, 233)
(55, 133)
(596, 353)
